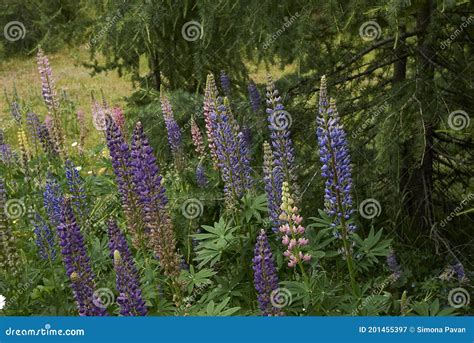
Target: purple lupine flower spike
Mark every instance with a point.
(44, 239)
(172, 127)
(233, 157)
(460, 273)
(126, 274)
(393, 265)
(6, 155)
(279, 122)
(273, 184)
(225, 83)
(201, 177)
(255, 99)
(77, 263)
(46, 142)
(265, 276)
(121, 157)
(334, 155)
(76, 188)
(152, 197)
(52, 200)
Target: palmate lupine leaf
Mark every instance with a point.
(219, 238)
(219, 310)
(254, 206)
(369, 249)
(193, 279)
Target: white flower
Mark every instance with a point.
(89, 172)
(78, 168)
(2, 302)
(74, 144)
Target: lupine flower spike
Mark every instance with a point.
(151, 193)
(52, 200)
(6, 155)
(201, 177)
(197, 139)
(77, 263)
(265, 276)
(10, 261)
(118, 117)
(255, 99)
(76, 188)
(225, 83)
(24, 148)
(33, 126)
(44, 239)
(126, 275)
(122, 164)
(292, 230)
(273, 184)
(233, 157)
(210, 106)
(50, 98)
(172, 128)
(16, 112)
(460, 273)
(336, 170)
(282, 146)
(393, 265)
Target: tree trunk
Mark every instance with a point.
(418, 200)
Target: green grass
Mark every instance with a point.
(70, 76)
